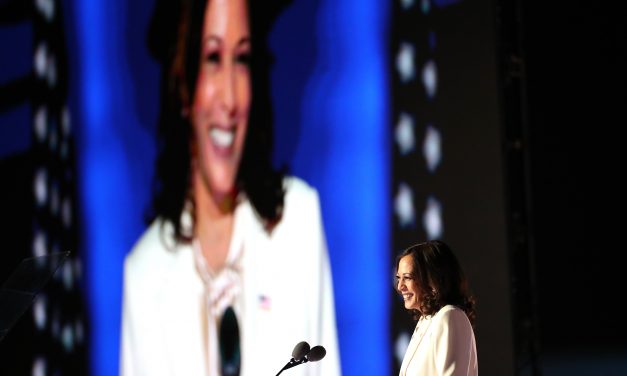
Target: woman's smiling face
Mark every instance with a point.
(407, 284)
(222, 98)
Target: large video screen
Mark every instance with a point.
(152, 173)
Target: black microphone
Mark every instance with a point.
(300, 350)
(228, 341)
(316, 353)
(303, 354)
(298, 355)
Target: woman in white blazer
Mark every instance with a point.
(233, 270)
(435, 290)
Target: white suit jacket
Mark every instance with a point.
(287, 296)
(442, 345)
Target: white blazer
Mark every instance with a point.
(442, 345)
(286, 296)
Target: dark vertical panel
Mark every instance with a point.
(576, 58)
(469, 183)
(38, 197)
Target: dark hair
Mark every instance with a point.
(174, 38)
(440, 279)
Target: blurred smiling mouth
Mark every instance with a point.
(407, 296)
(221, 137)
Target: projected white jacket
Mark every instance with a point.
(286, 296)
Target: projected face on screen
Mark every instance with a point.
(222, 98)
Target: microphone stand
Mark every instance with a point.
(292, 363)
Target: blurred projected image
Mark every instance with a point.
(233, 270)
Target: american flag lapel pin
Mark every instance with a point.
(265, 302)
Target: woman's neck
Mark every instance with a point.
(213, 220)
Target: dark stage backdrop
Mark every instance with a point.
(577, 85)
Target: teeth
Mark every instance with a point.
(221, 137)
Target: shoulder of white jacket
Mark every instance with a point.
(295, 186)
(154, 246)
(451, 312)
(299, 194)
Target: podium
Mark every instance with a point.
(21, 288)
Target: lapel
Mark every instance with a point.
(263, 316)
(180, 314)
(254, 245)
(419, 333)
